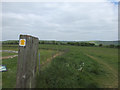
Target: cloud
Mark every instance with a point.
(61, 21)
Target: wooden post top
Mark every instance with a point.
(28, 36)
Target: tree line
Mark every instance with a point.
(16, 42)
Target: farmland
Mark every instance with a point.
(100, 67)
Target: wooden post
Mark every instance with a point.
(27, 62)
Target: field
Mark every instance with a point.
(60, 67)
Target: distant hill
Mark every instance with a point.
(107, 42)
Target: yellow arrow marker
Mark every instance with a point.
(22, 42)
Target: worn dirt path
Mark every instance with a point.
(49, 59)
(114, 72)
(6, 57)
(9, 51)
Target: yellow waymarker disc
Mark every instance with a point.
(22, 42)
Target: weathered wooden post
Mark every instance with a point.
(27, 61)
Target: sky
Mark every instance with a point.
(61, 21)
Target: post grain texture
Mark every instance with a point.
(27, 62)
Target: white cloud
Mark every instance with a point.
(61, 21)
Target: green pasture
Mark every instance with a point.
(100, 70)
(9, 77)
(7, 54)
(100, 67)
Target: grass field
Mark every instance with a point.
(100, 67)
(9, 77)
(7, 54)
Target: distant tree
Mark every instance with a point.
(53, 42)
(77, 43)
(100, 45)
(62, 43)
(112, 46)
(57, 43)
(81, 44)
(42, 42)
(71, 43)
(118, 46)
(68, 43)
(91, 44)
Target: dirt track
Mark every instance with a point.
(49, 59)
(9, 51)
(114, 72)
(6, 57)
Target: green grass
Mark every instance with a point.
(107, 58)
(9, 77)
(99, 71)
(7, 54)
(44, 54)
(10, 47)
(95, 75)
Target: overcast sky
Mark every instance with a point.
(83, 21)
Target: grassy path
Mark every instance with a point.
(107, 66)
(50, 58)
